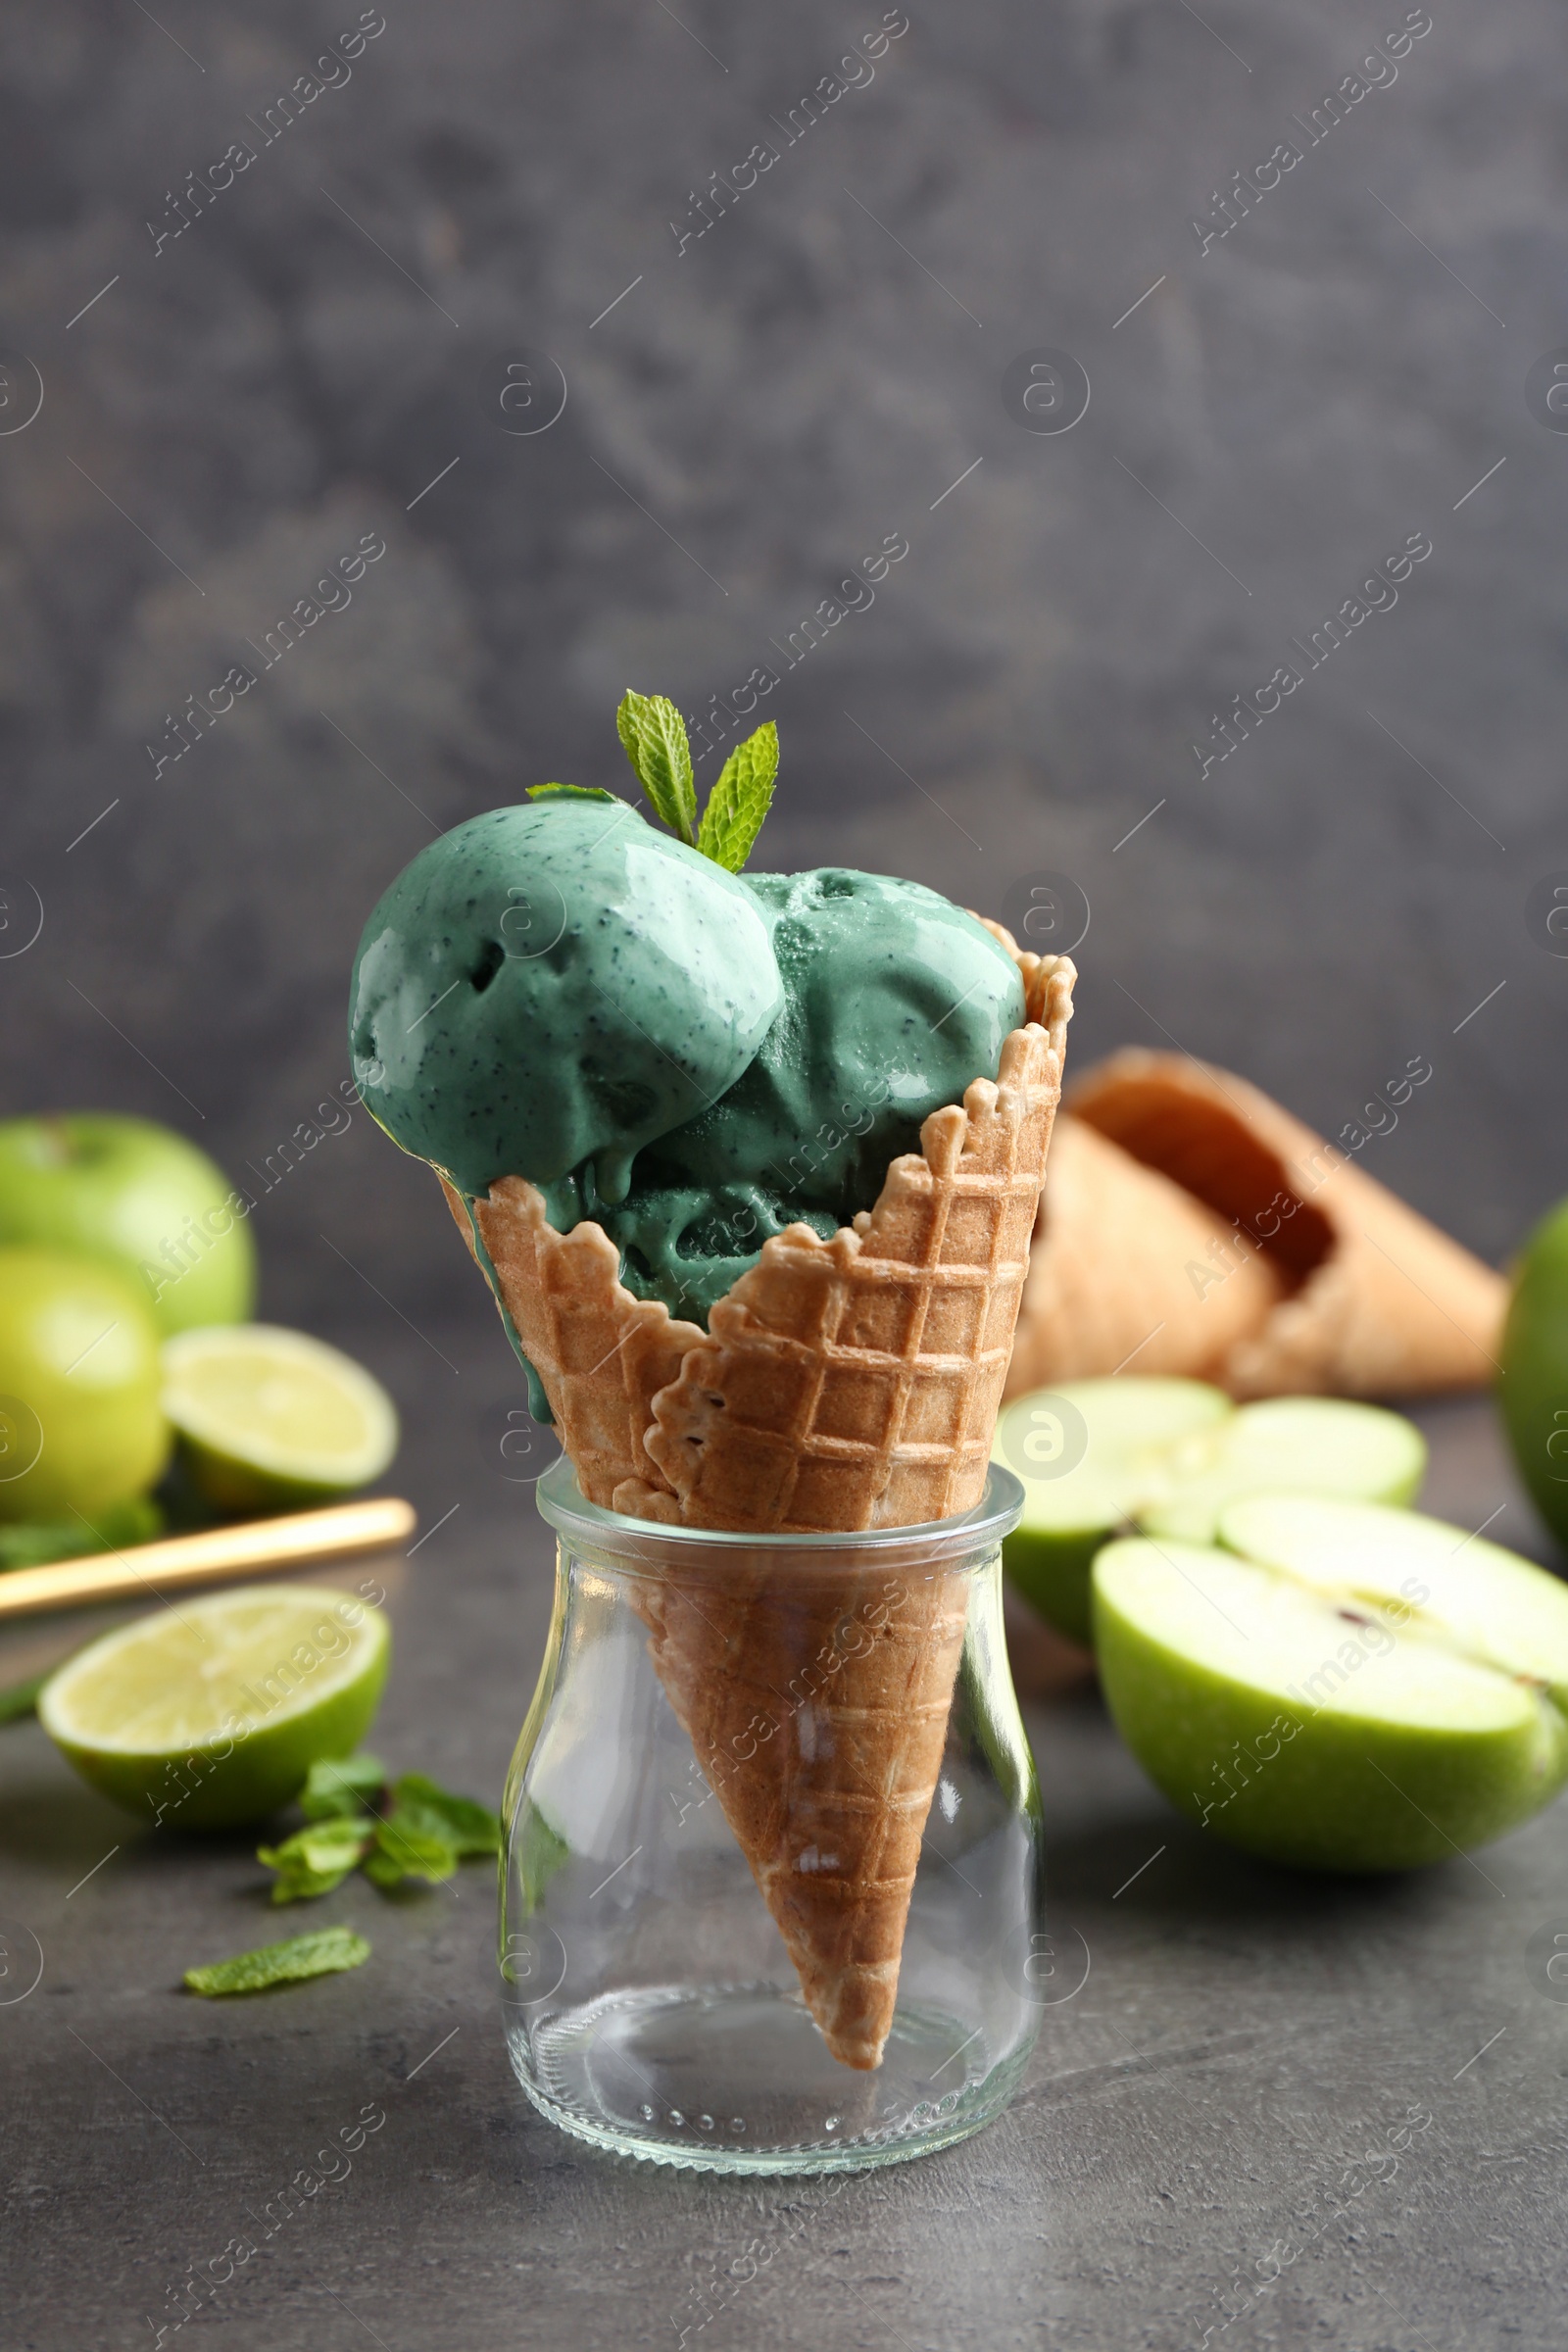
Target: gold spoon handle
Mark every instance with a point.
(217, 1555)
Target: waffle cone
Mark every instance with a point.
(602, 1354)
(1107, 1284)
(817, 1704)
(841, 1385)
(1368, 1299)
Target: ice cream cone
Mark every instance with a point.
(1372, 1300)
(841, 1385)
(855, 1383)
(1108, 1287)
(602, 1354)
(817, 1704)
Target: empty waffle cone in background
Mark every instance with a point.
(1374, 1300)
(841, 1385)
(1108, 1286)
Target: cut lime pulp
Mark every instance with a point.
(272, 1419)
(212, 1713)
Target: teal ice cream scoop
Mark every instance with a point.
(690, 1058)
(547, 989)
(894, 1000)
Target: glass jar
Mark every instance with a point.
(717, 1715)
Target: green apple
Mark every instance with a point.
(1167, 1456)
(1286, 1445)
(1533, 1392)
(1089, 1453)
(138, 1197)
(81, 1421)
(1335, 1685)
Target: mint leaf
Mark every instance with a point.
(382, 1872)
(459, 1822)
(652, 735)
(297, 1885)
(740, 800)
(342, 1785)
(406, 1848)
(34, 1543)
(319, 1955)
(571, 792)
(19, 1701)
(426, 1834)
(315, 1860)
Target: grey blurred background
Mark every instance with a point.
(321, 352)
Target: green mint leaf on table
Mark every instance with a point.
(343, 1785)
(34, 1544)
(652, 735)
(317, 1859)
(296, 1883)
(406, 1848)
(304, 1886)
(321, 1954)
(382, 1872)
(38, 1543)
(571, 792)
(467, 1827)
(426, 1834)
(740, 800)
(20, 1699)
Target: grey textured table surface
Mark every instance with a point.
(1213, 2107)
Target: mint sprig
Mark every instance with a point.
(570, 792)
(652, 734)
(405, 1850)
(342, 1786)
(424, 1833)
(459, 1822)
(319, 1858)
(740, 800)
(19, 1700)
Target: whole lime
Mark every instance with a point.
(81, 1421)
(139, 1197)
(1533, 1392)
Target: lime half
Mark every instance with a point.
(268, 1419)
(212, 1713)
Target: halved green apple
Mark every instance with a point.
(1089, 1453)
(1533, 1392)
(1286, 1445)
(1335, 1685)
(1101, 1456)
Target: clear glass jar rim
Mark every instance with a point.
(973, 1532)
